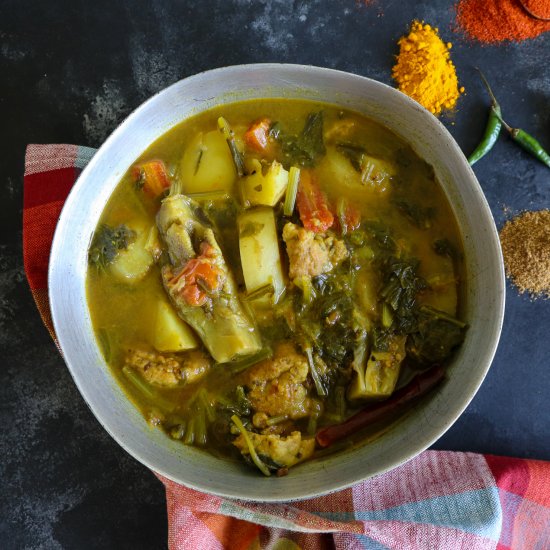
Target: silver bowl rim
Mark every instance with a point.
(331, 485)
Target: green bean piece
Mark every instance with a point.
(105, 343)
(312, 424)
(207, 404)
(340, 398)
(492, 130)
(242, 364)
(200, 427)
(177, 431)
(190, 434)
(146, 390)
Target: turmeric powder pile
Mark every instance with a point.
(424, 70)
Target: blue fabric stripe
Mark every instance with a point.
(477, 512)
(84, 156)
(370, 544)
(510, 505)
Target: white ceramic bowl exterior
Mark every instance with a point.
(483, 304)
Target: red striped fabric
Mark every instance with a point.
(438, 500)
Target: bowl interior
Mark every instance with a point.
(483, 302)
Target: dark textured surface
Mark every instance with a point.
(71, 71)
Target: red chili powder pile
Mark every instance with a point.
(493, 21)
(538, 8)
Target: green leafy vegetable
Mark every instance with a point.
(437, 335)
(378, 233)
(305, 148)
(106, 243)
(354, 153)
(243, 403)
(444, 247)
(419, 216)
(401, 286)
(327, 321)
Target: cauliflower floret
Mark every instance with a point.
(311, 254)
(168, 370)
(276, 384)
(278, 451)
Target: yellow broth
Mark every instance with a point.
(123, 314)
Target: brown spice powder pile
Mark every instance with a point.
(525, 244)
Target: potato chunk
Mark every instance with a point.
(172, 333)
(133, 263)
(259, 248)
(265, 189)
(370, 174)
(207, 164)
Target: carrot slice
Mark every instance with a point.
(152, 177)
(313, 205)
(200, 276)
(257, 136)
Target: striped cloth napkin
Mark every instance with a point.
(438, 500)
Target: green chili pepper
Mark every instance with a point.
(492, 130)
(521, 137)
(529, 143)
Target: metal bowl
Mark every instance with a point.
(483, 300)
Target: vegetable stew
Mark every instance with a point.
(269, 270)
